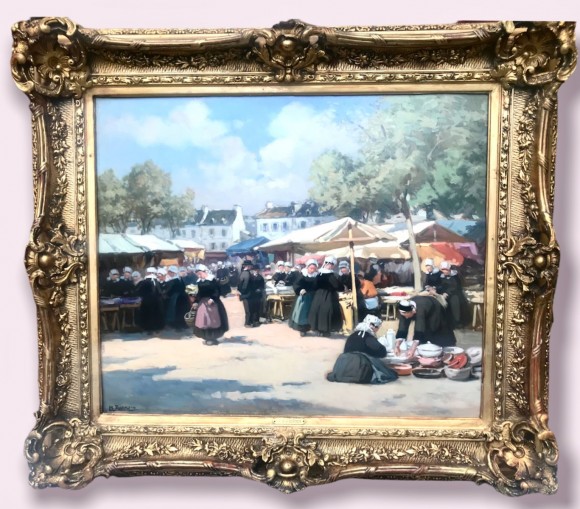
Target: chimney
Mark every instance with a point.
(269, 205)
(205, 210)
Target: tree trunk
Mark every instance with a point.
(412, 244)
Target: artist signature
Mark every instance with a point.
(121, 408)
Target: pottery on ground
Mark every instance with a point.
(458, 374)
(429, 350)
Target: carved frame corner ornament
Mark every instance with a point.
(55, 62)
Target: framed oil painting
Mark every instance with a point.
(295, 254)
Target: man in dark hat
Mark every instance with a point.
(431, 321)
(246, 288)
(259, 289)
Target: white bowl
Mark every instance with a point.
(455, 350)
(392, 359)
(429, 350)
(475, 355)
(458, 374)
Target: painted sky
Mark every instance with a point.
(230, 150)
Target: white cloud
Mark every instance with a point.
(225, 171)
(188, 125)
(279, 171)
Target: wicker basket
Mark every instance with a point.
(190, 317)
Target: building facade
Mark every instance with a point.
(216, 230)
(276, 221)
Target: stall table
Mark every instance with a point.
(280, 305)
(109, 313)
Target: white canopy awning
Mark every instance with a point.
(331, 235)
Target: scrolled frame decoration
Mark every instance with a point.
(57, 63)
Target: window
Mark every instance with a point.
(224, 232)
(265, 227)
(317, 222)
(183, 233)
(284, 226)
(212, 246)
(211, 232)
(302, 224)
(192, 234)
(224, 245)
(275, 227)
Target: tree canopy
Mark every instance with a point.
(421, 151)
(144, 195)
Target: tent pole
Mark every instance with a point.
(353, 277)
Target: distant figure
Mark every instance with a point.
(151, 314)
(136, 277)
(211, 319)
(223, 276)
(304, 287)
(292, 274)
(370, 296)
(451, 288)
(114, 286)
(345, 277)
(374, 270)
(234, 274)
(279, 276)
(127, 282)
(431, 275)
(190, 278)
(325, 315)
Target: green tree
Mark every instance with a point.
(111, 201)
(148, 194)
(179, 210)
(427, 150)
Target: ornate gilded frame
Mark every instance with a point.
(60, 65)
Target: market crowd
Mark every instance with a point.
(167, 295)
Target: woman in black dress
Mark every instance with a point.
(151, 313)
(211, 320)
(325, 315)
(304, 287)
(177, 303)
(364, 338)
(451, 288)
(431, 275)
(223, 277)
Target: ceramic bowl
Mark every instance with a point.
(430, 362)
(429, 350)
(403, 369)
(458, 374)
(455, 350)
(427, 373)
(392, 359)
(475, 355)
(447, 358)
(459, 361)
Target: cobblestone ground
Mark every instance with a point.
(267, 370)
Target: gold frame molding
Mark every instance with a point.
(60, 66)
